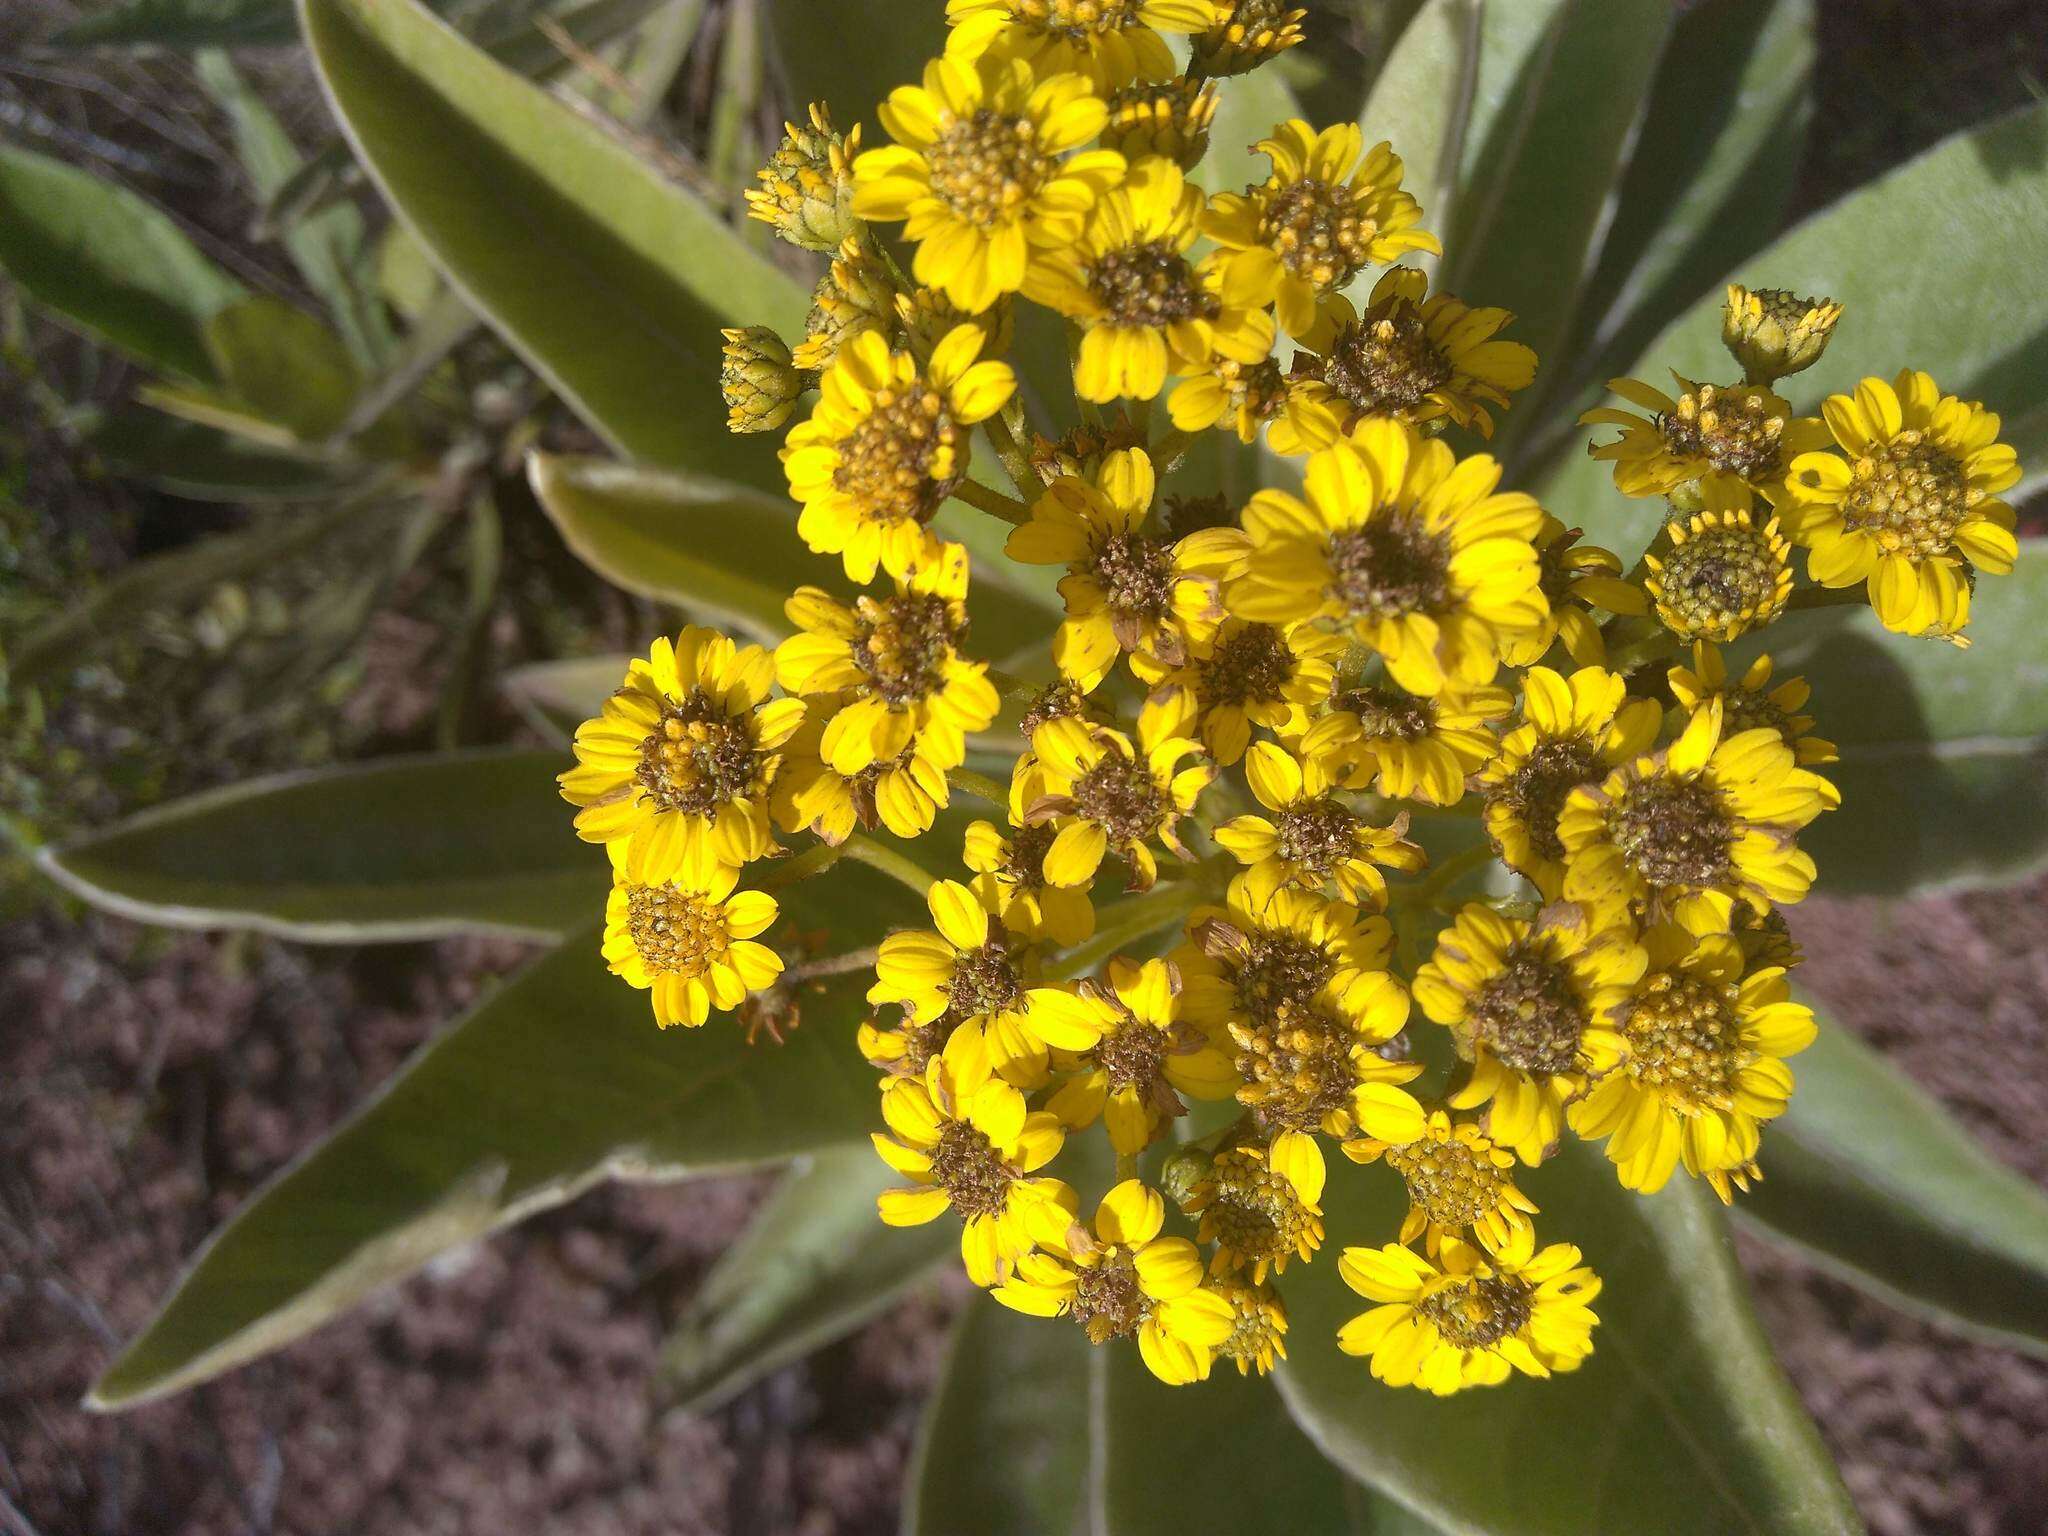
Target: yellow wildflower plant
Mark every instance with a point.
(1311, 838)
(1258, 1329)
(903, 793)
(1751, 701)
(1458, 1177)
(1909, 507)
(1473, 1315)
(1120, 1277)
(1407, 547)
(1330, 209)
(1260, 1213)
(1743, 430)
(1113, 42)
(987, 167)
(689, 941)
(1011, 864)
(1707, 1033)
(1576, 578)
(1245, 959)
(1244, 676)
(679, 763)
(1724, 572)
(1409, 746)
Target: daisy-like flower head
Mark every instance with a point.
(1689, 831)
(1170, 118)
(1413, 747)
(884, 447)
(977, 172)
(1258, 1333)
(1911, 507)
(1246, 959)
(1126, 587)
(1259, 1210)
(1311, 837)
(1472, 1316)
(690, 941)
(1106, 793)
(1329, 210)
(1707, 1033)
(1144, 308)
(1751, 701)
(1143, 1059)
(1574, 732)
(975, 973)
(1726, 573)
(967, 1141)
(903, 793)
(896, 666)
(1246, 34)
(1120, 1278)
(679, 763)
(904, 1047)
(1242, 396)
(1457, 1177)
(1728, 429)
(1417, 358)
(1113, 42)
(1247, 674)
(1407, 548)
(1575, 577)
(1012, 864)
(1531, 1005)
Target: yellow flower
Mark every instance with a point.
(1687, 832)
(1707, 1035)
(1407, 547)
(1773, 333)
(1474, 1316)
(1422, 360)
(1121, 1279)
(973, 972)
(1258, 1332)
(1414, 748)
(1248, 674)
(903, 793)
(904, 1049)
(1732, 429)
(1246, 34)
(1106, 793)
(1531, 1005)
(1575, 577)
(1245, 959)
(1112, 41)
(967, 1140)
(1913, 510)
(1012, 865)
(690, 941)
(1259, 1212)
(1323, 216)
(1126, 588)
(1312, 838)
(1574, 731)
(1751, 701)
(976, 171)
(1724, 574)
(1145, 310)
(895, 667)
(1142, 1059)
(1244, 396)
(885, 445)
(1457, 1177)
(679, 763)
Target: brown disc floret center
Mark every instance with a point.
(1108, 1301)
(1386, 714)
(1529, 1015)
(1319, 231)
(1738, 429)
(1389, 566)
(1120, 796)
(1673, 831)
(984, 980)
(1386, 364)
(903, 643)
(1537, 790)
(1148, 285)
(1481, 1312)
(1296, 1065)
(966, 1165)
(698, 757)
(1136, 576)
(1277, 968)
(1316, 835)
(676, 932)
(1251, 664)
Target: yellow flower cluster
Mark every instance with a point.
(1256, 717)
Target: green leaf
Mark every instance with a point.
(561, 695)
(1424, 98)
(1528, 220)
(1248, 108)
(407, 848)
(1681, 1417)
(108, 263)
(205, 464)
(1875, 1180)
(183, 24)
(850, 54)
(814, 1264)
(1974, 314)
(557, 1080)
(609, 280)
(284, 366)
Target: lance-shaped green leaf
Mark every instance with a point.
(110, 264)
(206, 464)
(557, 1080)
(814, 1264)
(282, 365)
(560, 695)
(183, 24)
(1873, 1178)
(851, 55)
(408, 848)
(1681, 1411)
(608, 278)
(1973, 315)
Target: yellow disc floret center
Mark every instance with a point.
(1480, 1312)
(1148, 285)
(1390, 566)
(1255, 1212)
(1911, 495)
(1449, 1182)
(1296, 1066)
(698, 757)
(676, 932)
(1684, 1041)
(1737, 429)
(901, 460)
(1319, 232)
(1529, 1015)
(1386, 364)
(1721, 578)
(986, 167)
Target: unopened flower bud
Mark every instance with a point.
(855, 296)
(759, 381)
(806, 189)
(1183, 1170)
(1170, 119)
(1247, 34)
(1772, 332)
(929, 316)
